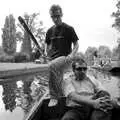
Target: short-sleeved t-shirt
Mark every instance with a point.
(60, 39)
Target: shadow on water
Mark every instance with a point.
(19, 94)
(9, 95)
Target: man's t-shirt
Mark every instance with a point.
(87, 87)
(60, 39)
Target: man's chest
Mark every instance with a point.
(57, 37)
(83, 87)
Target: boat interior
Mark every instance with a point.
(56, 112)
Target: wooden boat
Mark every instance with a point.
(43, 112)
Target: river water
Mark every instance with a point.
(19, 94)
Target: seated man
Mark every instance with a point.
(81, 93)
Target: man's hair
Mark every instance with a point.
(78, 60)
(54, 9)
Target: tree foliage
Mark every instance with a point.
(116, 25)
(115, 51)
(104, 51)
(89, 54)
(116, 15)
(9, 35)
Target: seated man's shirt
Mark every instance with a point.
(86, 87)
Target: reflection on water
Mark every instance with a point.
(19, 94)
(9, 96)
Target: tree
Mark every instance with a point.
(115, 55)
(90, 54)
(104, 51)
(9, 35)
(116, 25)
(116, 15)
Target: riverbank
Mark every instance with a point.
(15, 69)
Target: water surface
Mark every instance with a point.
(19, 94)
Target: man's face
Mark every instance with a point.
(56, 17)
(80, 71)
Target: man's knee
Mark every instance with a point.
(100, 115)
(71, 115)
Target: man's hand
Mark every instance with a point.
(103, 103)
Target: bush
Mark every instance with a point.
(21, 57)
(6, 58)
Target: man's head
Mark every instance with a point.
(79, 67)
(56, 14)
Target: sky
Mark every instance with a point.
(91, 19)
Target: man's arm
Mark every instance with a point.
(87, 100)
(47, 48)
(74, 51)
(75, 44)
(101, 92)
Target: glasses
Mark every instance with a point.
(55, 16)
(81, 68)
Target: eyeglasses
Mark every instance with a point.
(55, 16)
(81, 68)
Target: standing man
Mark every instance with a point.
(60, 36)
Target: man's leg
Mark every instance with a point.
(100, 115)
(73, 115)
(56, 68)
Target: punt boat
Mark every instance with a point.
(43, 112)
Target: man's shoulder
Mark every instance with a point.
(91, 79)
(51, 28)
(67, 26)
